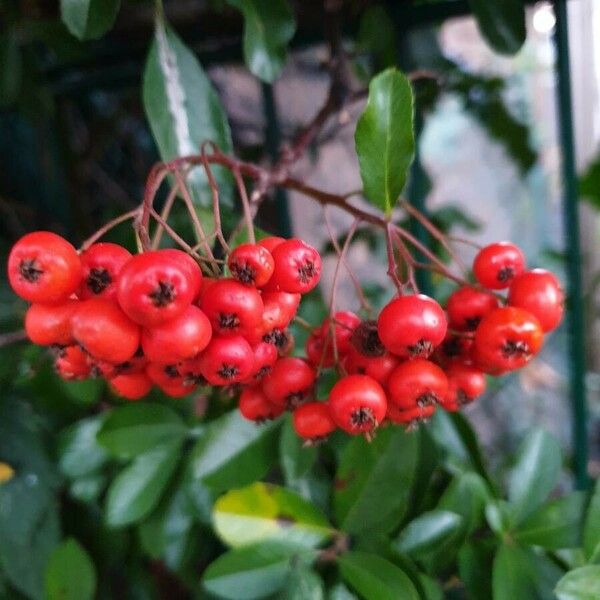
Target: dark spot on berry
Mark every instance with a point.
(227, 371)
(472, 323)
(163, 294)
(278, 337)
(461, 398)
(505, 274)
(263, 372)
(366, 339)
(139, 352)
(306, 272)
(228, 321)
(363, 416)
(171, 371)
(422, 349)
(294, 399)
(519, 348)
(30, 271)
(243, 272)
(427, 399)
(361, 370)
(191, 379)
(452, 347)
(98, 280)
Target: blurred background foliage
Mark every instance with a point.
(183, 499)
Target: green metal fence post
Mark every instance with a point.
(575, 322)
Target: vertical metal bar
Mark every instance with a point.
(272, 142)
(575, 322)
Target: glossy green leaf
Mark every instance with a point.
(253, 571)
(457, 440)
(512, 577)
(589, 182)
(88, 488)
(376, 578)
(591, 530)
(475, 561)
(502, 23)
(384, 138)
(183, 110)
(535, 474)
(139, 486)
(373, 482)
(133, 429)
(79, 453)
(70, 574)
(268, 27)
(429, 532)
(296, 459)
(303, 584)
(341, 592)
(580, 584)
(233, 452)
(466, 495)
(268, 512)
(555, 525)
(89, 19)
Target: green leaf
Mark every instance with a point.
(512, 577)
(375, 578)
(535, 473)
(581, 584)
(268, 512)
(138, 488)
(233, 452)
(429, 532)
(70, 573)
(303, 584)
(253, 571)
(296, 460)
(268, 27)
(341, 592)
(89, 19)
(456, 438)
(555, 525)
(591, 529)
(184, 110)
(475, 560)
(589, 182)
(136, 428)
(502, 23)
(376, 34)
(79, 453)
(466, 495)
(384, 138)
(374, 480)
(88, 488)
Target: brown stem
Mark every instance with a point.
(245, 205)
(392, 265)
(107, 227)
(6, 339)
(166, 211)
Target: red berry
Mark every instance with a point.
(251, 264)
(101, 265)
(357, 404)
(155, 287)
(365, 339)
(467, 306)
(265, 356)
(455, 348)
(232, 308)
(410, 416)
(178, 390)
(496, 265)
(345, 322)
(178, 339)
(271, 242)
(417, 383)
(227, 360)
(297, 267)
(412, 326)
(104, 330)
(164, 375)
(312, 421)
(254, 406)
(44, 267)
(319, 349)
(377, 367)
(136, 364)
(538, 292)
(465, 383)
(290, 382)
(71, 363)
(48, 324)
(132, 386)
(507, 339)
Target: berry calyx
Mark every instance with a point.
(496, 265)
(226, 360)
(417, 383)
(101, 264)
(467, 306)
(290, 383)
(251, 264)
(297, 267)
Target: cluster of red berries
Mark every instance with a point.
(416, 356)
(153, 319)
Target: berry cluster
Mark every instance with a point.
(154, 319)
(417, 356)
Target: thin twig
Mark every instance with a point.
(6, 339)
(245, 205)
(392, 264)
(107, 227)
